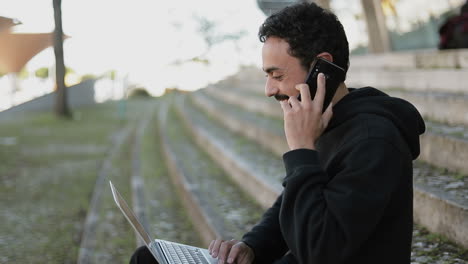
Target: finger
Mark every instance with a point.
(320, 94)
(327, 116)
(245, 257)
(210, 247)
(224, 251)
(233, 253)
(216, 246)
(294, 103)
(285, 106)
(305, 92)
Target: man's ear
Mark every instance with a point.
(326, 55)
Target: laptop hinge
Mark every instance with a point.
(157, 249)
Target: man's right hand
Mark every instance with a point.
(232, 251)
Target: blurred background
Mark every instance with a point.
(164, 98)
(183, 44)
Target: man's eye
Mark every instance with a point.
(278, 77)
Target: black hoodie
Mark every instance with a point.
(351, 201)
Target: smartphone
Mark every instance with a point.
(334, 75)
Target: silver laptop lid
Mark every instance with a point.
(132, 219)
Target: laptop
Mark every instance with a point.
(165, 252)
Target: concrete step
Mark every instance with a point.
(163, 211)
(441, 201)
(217, 207)
(265, 129)
(446, 147)
(100, 219)
(445, 83)
(406, 60)
(426, 70)
(426, 246)
(443, 145)
(106, 236)
(432, 248)
(451, 222)
(136, 179)
(419, 59)
(242, 158)
(252, 101)
(438, 80)
(447, 108)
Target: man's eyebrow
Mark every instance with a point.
(271, 69)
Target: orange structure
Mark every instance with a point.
(16, 49)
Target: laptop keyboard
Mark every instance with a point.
(183, 254)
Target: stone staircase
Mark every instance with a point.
(437, 84)
(223, 144)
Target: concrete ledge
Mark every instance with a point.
(200, 219)
(437, 214)
(455, 59)
(420, 59)
(264, 137)
(441, 216)
(438, 149)
(247, 101)
(445, 70)
(446, 108)
(247, 178)
(386, 60)
(441, 80)
(445, 152)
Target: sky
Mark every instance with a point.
(141, 39)
(144, 38)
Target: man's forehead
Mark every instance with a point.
(275, 55)
(277, 66)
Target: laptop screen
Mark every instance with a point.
(130, 215)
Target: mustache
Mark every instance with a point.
(281, 97)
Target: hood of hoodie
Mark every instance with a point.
(372, 101)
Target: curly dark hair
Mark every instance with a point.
(309, 30)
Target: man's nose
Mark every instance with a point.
(270, 89)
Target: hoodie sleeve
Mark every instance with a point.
(327, 220)
(265, 238)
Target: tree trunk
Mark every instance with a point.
(61, 104)
(379, 38)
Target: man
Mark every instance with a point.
(454, 32)
(347, 194)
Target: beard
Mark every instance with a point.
(281, 97)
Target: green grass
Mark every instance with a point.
(236, 211)
(47, 179)
(460, 177)
(115, 239)
(165, 213)
(436, 246)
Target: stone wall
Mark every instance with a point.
(78, 95)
